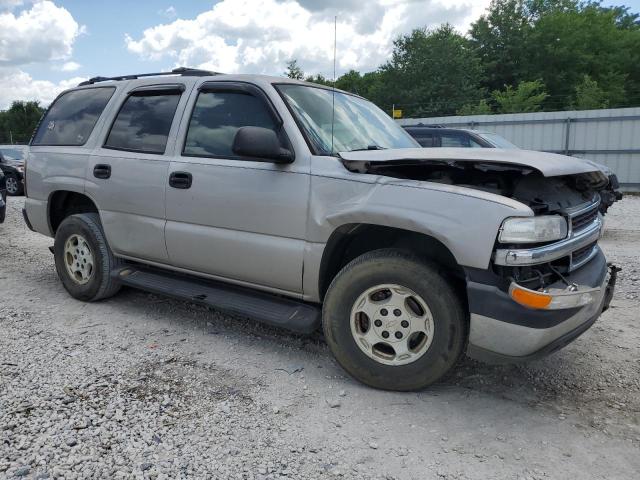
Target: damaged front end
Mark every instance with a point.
(548, 280)
(552, 186)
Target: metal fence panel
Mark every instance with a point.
(607, 136)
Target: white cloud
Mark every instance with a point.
(169, 12)
(259, 36)
(70, 66)
(10, 4)
(43, 32)
(19, 85)
(38, 32)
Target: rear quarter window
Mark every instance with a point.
(72, 117)
(143, 123)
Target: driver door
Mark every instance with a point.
(241, 219)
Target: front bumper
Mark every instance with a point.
(502, 331)
(3, 206)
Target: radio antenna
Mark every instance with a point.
(333, 91)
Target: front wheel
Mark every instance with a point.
(393, 322)
(14, 186)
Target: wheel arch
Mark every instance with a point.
(63, 203)
(352, 240)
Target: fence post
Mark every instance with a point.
(567, 134)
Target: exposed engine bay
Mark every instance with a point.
(527, 185)
(543, 194)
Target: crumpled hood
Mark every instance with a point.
(548, 164)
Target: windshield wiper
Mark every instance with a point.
(370, 147)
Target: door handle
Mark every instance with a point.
(102, 171)
(180, 180)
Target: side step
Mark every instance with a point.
(271, 309)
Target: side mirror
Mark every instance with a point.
(262, 143)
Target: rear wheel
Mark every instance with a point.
(14, 186)
(84, 261)
(393, 322)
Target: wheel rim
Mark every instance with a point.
(78, 259)
(12, 185)
(392, 324)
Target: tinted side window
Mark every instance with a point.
(425, 140)
(454, 141)
(143, 122)
(474, 144)
(71, 118)
(216, 118)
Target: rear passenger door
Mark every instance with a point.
(242, 219)
(127, 173)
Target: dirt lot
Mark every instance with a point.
(145, 387)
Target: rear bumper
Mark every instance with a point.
(502, 331)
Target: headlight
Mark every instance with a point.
(20, 169)
(533, 229)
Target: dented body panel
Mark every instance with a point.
(447, 213)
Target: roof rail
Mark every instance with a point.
(183, 71)
(426, 125)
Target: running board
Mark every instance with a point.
(271, 309)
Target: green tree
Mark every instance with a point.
(480, 108)
(528, 97)
(357, 83)
(319, 79)
(19, 121)
(293, 70)
(501, 37)
(588, 41)
(589, 95)
(431, 72)
(560, 41)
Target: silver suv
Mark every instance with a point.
(302, 206)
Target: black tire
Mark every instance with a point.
(12, 179)
(402, 268)
(100, 284)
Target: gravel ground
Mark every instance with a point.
(141, 386)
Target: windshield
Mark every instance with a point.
(357, 123)
(498, 141)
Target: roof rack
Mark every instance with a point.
(183, 71)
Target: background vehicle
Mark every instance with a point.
(12, 164)
(439, 136)
(3, 197)
(303, 206)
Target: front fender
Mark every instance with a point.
(464, 220)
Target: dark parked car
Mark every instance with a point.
(430, 136)
(3, 197)
(437, 136)
(12, 164)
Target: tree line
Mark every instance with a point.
(19, 121)
(520, 56)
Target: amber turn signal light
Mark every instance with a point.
(530, 299)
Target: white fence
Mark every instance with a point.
(610, 136)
